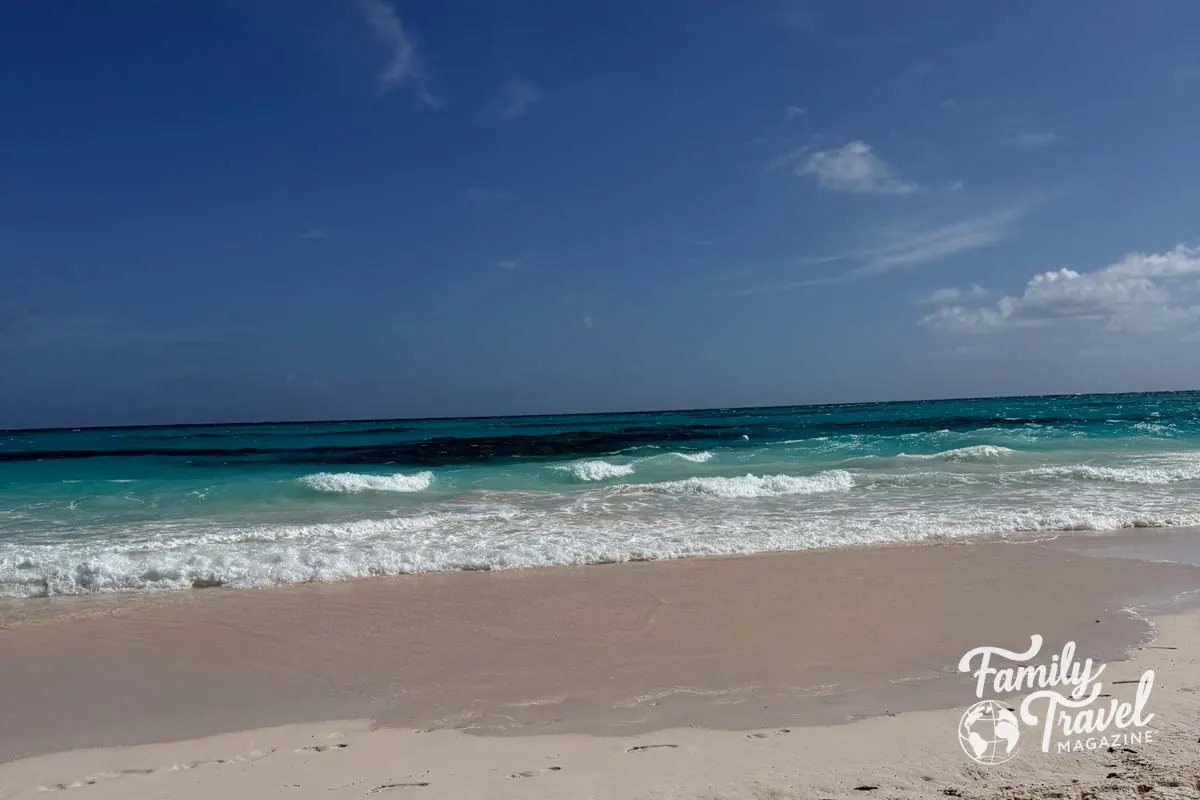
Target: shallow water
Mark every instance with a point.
(100, 510)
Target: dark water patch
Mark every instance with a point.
(434, 451)
(432, 443)
(447, 450)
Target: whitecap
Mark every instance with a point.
(747, 486)
(595, 470)
(976, 452)
(354, 482)
(695, 458)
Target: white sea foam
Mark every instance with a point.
(977, 452)
(194, 553)
(748, 486)
(595, 470)
(355, 482)
(1149, 475)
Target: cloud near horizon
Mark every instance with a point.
(1140, 293)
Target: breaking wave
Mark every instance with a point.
(978, 452)
(1143, 475)
(695, 458)
(354, 482)
(595, 470)
(748, 486)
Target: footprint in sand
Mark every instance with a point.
(767, 734)
(641, 747)
(532, 772)
(193, 764)
(253, 755)
(387, 787)
(321, 748)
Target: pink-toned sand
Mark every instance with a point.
(731, 643)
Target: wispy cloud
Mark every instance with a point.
(1032, 140)
(508, 264)
(315, 233)
(904, 246)
(1142, 292)
(404, 66)
(477, 194)
(931, 244)
(791, 112)
(954, 295)
(519, 97)
(854, 167)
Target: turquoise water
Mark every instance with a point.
(128, 509)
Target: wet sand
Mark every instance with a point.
(737, 643)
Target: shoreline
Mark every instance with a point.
(49, 609)
(912, 754)
(785, 639)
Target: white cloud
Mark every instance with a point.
(1142, 292)
(315, 233)
(1036, 139)
(519, 97)
(404, 62)
(791, 112)
(943, 297)
(508, 263)
(854, 167)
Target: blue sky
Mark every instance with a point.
(298, 209)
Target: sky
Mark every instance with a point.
(234, 210)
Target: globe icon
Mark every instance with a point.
(988, 732)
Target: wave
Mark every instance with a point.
(696, 458)
(1142, 475)
(595, 470)
(177, 556)
(748, 486)
(977, 452)
(354, 482)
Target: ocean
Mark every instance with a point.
(163, 508)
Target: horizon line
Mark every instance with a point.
(364, 420)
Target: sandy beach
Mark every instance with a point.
(791, 674)
(790, 400)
